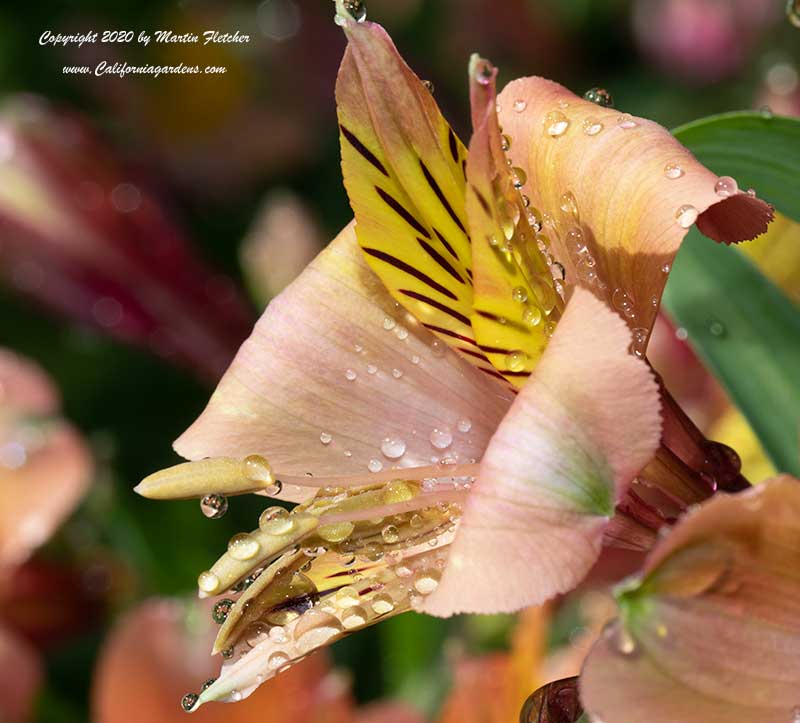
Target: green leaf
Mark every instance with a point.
(742, 325)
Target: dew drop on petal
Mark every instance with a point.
(673, 171)
(483, 72)
(350, 375)
(214, 506)
(426, 581)
(188, 701)
(464, 425)
(520, 105)
(243, 546)
(397, 373)
(516, 360)
(626, 121)
(393, 447)
(374, 465)
(326, 438)
(532, 315)
(519, 294)
(438, 348)
(389, 323)
(555, 124)
(686, 215)
(726, 186)
(441, 438)
(275, 521)
(354, 617)
(277, 660)
(208, 582)
(592, 126)
(390, 534)
(505, 142)
(666, 268)
(382, 604)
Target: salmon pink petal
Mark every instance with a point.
(617, 194)
(22, 676)
(388, 713)
(577, 434)
(336, 380)
(44, 474)
(159, 651)
(711, 631)
(24, 387)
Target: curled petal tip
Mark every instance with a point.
(349, 11)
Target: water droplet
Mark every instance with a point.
(521, 177)
(325, 438)
(681, 334)
(429, 86)
(426, 581)
(438, 348)
(371, 369)
(393, 447)
(356, 9)
(766, 112)
(483, 72)
(796, 710)
(673, 171)
(568, 204)
(243, 546)
(227, 654)
(277, 634)
(441, 438)
(415, 359)
(221, 610)
(519, 294)
(350, 375)
(397, 373)
(505, 142)
(374, 465)
(389, 323)
(214, 506)
(257, 469)
(277, 660)
(716, 328)
(390, 534)
(555, 124)
(666, 268)
(188, 701)
(623, 302)
(382, 604)
(526, 201)
(592, 126)
(354, 617)
(726, 186)
(532, 315)
(520, 105)
(208, 582)
(336, 532)
(516, 360)
(401, 332)
(275, 521)
(600, 96)
(208, 684)
(626, 121)
(624, 642)
(686, 215)
(464, 425)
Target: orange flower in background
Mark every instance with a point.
(45, 470)
(453, 391)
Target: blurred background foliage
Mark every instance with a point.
(246, 165)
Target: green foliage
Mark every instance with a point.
(743, 326)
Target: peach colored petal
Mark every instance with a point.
(712, 630)
(578, 432)
(24, 387)
(604, 179)
(47, 476)
(21, 678)
(388, 713)
(333, 355)
(159, 651)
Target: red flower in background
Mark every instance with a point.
(85, 238)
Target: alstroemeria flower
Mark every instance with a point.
(81, 235)
(456, 417)
(711, 629)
